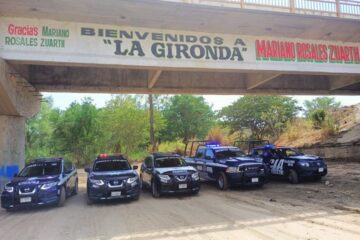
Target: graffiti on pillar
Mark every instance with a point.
(8, 171)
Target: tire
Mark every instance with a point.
(154, 190)
(76, 188)
(317, 178)
(89, 201)
(293, 177)
(143, 187)
(222, 182)
(137, 197)
(62, 197)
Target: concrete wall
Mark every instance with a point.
(349, 152)
(12, 145)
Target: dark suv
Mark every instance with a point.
(168, 173)
(112, 177)
(42, 182)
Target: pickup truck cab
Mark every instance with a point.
(287, 162)
(44, 181)
(228, 166)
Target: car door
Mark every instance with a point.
(209, 167)
(200, 162)
(147, 170)
(67, 175)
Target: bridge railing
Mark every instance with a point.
(336, 8)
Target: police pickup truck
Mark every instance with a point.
(286, 162)
(227, 165)
(43, 181)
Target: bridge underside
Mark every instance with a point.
(54, 78)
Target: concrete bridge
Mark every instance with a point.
(174, 46)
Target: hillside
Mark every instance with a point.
(302, 134)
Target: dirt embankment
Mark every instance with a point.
(343, 146)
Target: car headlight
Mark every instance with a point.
(195, 176)
(97, 182)
(131, 180)
(304, 164)
(232, 169)
(9, 189)
(47, 186)
(164, 178)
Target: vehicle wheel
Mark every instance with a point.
(89, 201)
(143, 187)
(293, 177)
(136, 198)
(222, 182)
(154, 190)
(62, 197)
(317, 178)
(76, 188)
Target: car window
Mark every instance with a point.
(209, 154)
(200, 152)
(41, 169)
(164, 162)
(68, 166)
(111, 165)
(228, 153)
(258, 152)
(148, 162)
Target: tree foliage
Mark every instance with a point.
(187, 117)
(321, 103)
(265, 116)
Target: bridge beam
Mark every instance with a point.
(18, 100)
(255, 80)
(153, 77)
(338, 82)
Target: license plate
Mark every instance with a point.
(115, 194)
(255, 180)
(25, 200)
(182, 186)
(321, 169)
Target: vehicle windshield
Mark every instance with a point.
(111, 165)
(287, 152)
(229, 153)
(165, 162)
(41, 169)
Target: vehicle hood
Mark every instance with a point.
(240, 161)
(305, 158)
(113, 174)
(32, 181)
(175, 170)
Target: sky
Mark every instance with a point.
(63, 100)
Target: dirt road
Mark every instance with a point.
(277, 211)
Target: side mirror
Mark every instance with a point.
(87, 169)
(135, 167)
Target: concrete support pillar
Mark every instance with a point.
(18, 101)
(12, 146)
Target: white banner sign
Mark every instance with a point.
(35, 40)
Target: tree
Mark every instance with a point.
(77, 131)
(265, 116)
(321, 103)
(187, 117)
(124, 124)
(39, 131)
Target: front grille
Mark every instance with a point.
(181, 178)
(27, 190)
